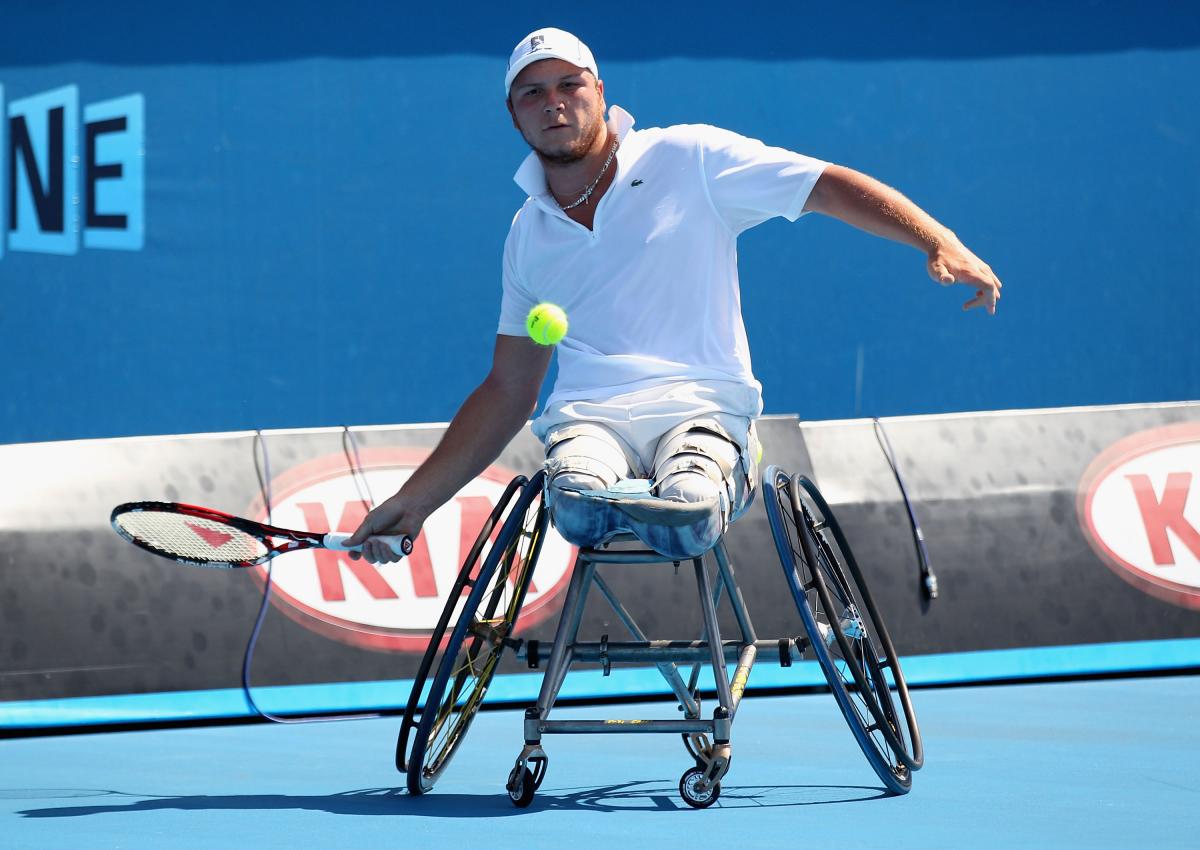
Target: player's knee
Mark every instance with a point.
(574, 479)
(684, 487)
(584, 462)
(690, 478)
(576, 520)
(580, 472)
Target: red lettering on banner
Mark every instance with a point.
(329, 563)
(1167, 513)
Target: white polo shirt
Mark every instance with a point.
(651, 292)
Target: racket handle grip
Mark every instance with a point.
(401, 544)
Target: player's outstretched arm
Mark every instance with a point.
(869, 205)
(489, 418)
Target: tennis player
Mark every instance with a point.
(634, 234)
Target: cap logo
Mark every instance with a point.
(536, 42)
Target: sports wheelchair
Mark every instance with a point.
(842, 629)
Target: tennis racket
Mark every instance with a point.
(203, 537)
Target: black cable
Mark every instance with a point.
(355, 464)
(929, 582)
(263, 472)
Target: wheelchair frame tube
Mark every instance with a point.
(660, 651)
(664, 654)
(668, 669)
(736, 601)
(564, 638)
(725, 705)
(594, 727)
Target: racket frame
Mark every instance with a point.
(291, 540)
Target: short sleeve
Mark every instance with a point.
(515, 300)
(749, 182)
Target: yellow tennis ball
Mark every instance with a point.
(546, 323)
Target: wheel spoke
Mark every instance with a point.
(856, 654)
(473, 654)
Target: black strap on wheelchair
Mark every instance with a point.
(929, 582)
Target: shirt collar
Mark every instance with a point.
(531, 176)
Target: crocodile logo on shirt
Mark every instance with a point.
(636, 183)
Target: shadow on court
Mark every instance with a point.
(650, 796)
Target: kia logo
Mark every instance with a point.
(1139, 504)
(393, 607)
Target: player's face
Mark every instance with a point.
(558, 108)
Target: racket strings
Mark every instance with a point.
(191, 537)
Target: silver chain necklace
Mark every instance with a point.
(587, 193)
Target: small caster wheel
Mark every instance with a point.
(521, 786)
(697, 799)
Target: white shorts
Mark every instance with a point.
(597, 455)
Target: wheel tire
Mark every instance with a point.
(905, 740)
(468, 660)
(687, 786)
(437, 639)
(521, 787)
(862, 695)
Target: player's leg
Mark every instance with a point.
(699, 461)
(583, 456)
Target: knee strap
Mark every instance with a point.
(577, 449)
(685, 443)
(701, 450)
(692, 463)
(604, 474)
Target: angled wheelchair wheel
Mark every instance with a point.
(438, 639)
(844, 628)
(866, 647)
(484, 605)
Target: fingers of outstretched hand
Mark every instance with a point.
(940, 273)
(965, 268)
(984, 297)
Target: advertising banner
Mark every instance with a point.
(1050, 528)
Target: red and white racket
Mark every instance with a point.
(203, 537)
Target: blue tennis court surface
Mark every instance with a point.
(1075, 764)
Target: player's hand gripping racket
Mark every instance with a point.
(207, 538)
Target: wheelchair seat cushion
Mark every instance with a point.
(674, 529)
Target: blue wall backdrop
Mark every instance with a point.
(327, 188)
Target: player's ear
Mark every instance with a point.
(511, 114)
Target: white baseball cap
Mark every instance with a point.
(548, 43)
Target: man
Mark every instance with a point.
(634, 234)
